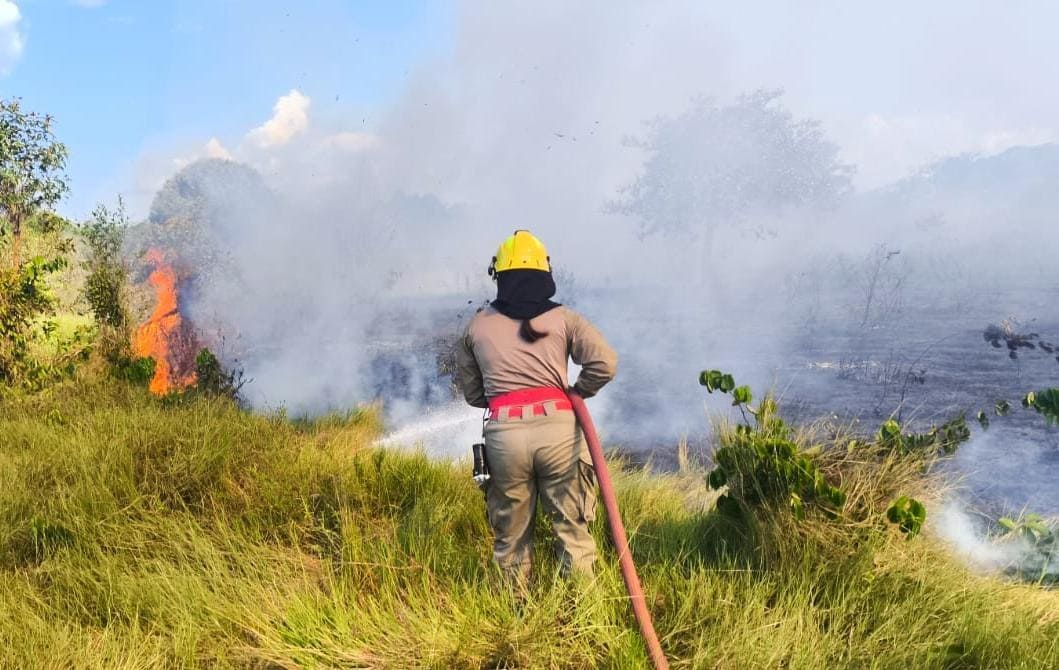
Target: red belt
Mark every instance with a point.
(517, 400)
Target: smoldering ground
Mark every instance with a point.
(699, 216)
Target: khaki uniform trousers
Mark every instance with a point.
(545, 457)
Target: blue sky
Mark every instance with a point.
(123, 77)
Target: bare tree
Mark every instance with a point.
(882, 284)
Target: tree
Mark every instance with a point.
(203, 212)
(105, 276)
(718, 165)
(31, 181)
(32, 164)
(212, 192)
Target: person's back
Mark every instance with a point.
(504, 361)
(513, 359)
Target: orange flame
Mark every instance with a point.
(166, 336)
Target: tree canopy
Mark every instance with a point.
(32, 164)
(716, 165)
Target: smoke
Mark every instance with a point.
(699, 217)
(986, 547)
(1011, 464)
(969, 540)
(1004, 474)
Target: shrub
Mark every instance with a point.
(136, 370)
(25, 329)
(909, 514)
(761, 463)
(105, 281)
(944, 439)
(212, 377)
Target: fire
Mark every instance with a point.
(166, 336)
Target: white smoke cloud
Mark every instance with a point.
(382, 237)
(349, 141)
(290, 117)
(992, 552)
(955, 525)
(501, 134)
(11, 41)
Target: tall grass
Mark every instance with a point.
(138, 533)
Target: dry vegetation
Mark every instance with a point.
(143, 533)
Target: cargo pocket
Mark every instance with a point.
(587, 479)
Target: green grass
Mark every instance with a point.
(138, 533)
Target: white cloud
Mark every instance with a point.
(214, 149)
(290, 117)
(283, 143)
(11, 42)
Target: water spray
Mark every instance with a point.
(617, 532)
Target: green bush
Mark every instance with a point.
(135, 370)
(212, 377)
(105, 280)
(32, 352)
(908, 514)
(761, 464)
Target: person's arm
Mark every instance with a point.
(588, 349)
(468, 374)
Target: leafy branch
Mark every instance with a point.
(1045, 402)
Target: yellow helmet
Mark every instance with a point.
(521, 251)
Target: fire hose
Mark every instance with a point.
(617, 531)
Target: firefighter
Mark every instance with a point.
(513, 360)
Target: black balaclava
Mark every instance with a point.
(524, 294)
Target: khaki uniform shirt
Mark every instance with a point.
(493, 360)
